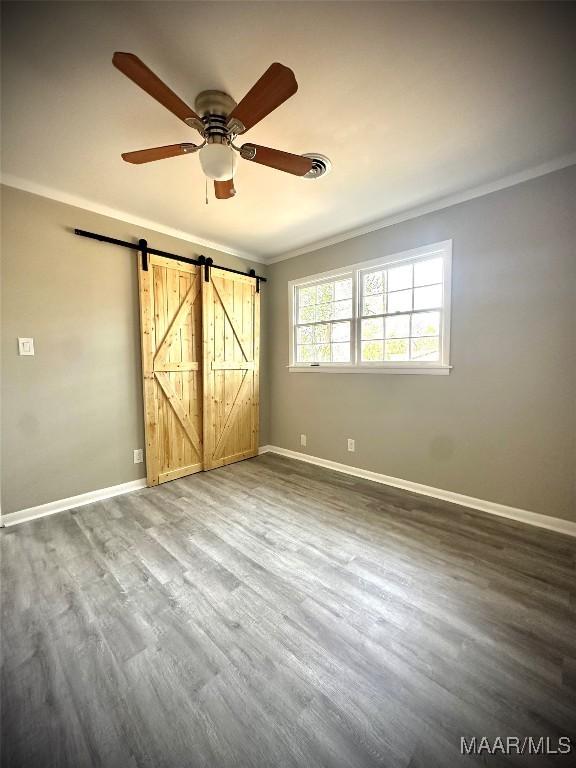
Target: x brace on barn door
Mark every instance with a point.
(145, 250)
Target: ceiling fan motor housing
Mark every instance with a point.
(214, 108)
(217, 158)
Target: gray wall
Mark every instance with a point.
(72, 414)
(502, 425)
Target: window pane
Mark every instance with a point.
(341, 331)
(373, 305)
(428, 272)
(325, 293)
(341, 353)
(428, 297)
(425, 349)
(323, 353)
(343, 289)
(425, 324)
(321, 334)
(400, 301)
(306, 314)
(324, 311)
(396, 349)
(373, 328)
(399, 278)
(305, 334)
(307, 296)
(373, 283)
(342, 309)
(398, 327)
(372, 351)
(305, 354)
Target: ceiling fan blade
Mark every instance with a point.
(138, 72)
(224, 189)
(159, 153)
(274, 158)
(275, 86)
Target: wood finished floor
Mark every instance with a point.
(272, 613)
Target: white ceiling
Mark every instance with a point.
(412, 102)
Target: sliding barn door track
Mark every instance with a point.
(146, 250)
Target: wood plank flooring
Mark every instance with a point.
(271, 613)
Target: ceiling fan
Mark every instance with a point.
(219, 120)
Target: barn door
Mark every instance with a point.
(231, 331)
(171, 316)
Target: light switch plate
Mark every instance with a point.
(25, 346)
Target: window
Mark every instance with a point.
(324, 321)
(389, 315)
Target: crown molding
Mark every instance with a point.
(439, 204)
(436, 205)
(25, 185)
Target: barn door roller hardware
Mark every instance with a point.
(146, 251)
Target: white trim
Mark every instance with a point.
(405, 215)
(113, 213)
(432, 370)
(435, 205)
(355, 271)
(491, 507)
(72, 502)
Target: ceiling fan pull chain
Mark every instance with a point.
(206, 188)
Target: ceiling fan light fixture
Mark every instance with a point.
(218, 161)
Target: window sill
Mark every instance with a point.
(434, 370)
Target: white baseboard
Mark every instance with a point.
(32, 513)
(61, 505)
(491, 507)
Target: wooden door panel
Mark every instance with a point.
(170, 305)
(231, 323)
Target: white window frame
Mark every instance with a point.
(441, 367)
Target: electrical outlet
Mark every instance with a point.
(138, 456)
(351, 445)
(303, 441)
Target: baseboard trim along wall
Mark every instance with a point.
(491, 507)
(32, 513)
